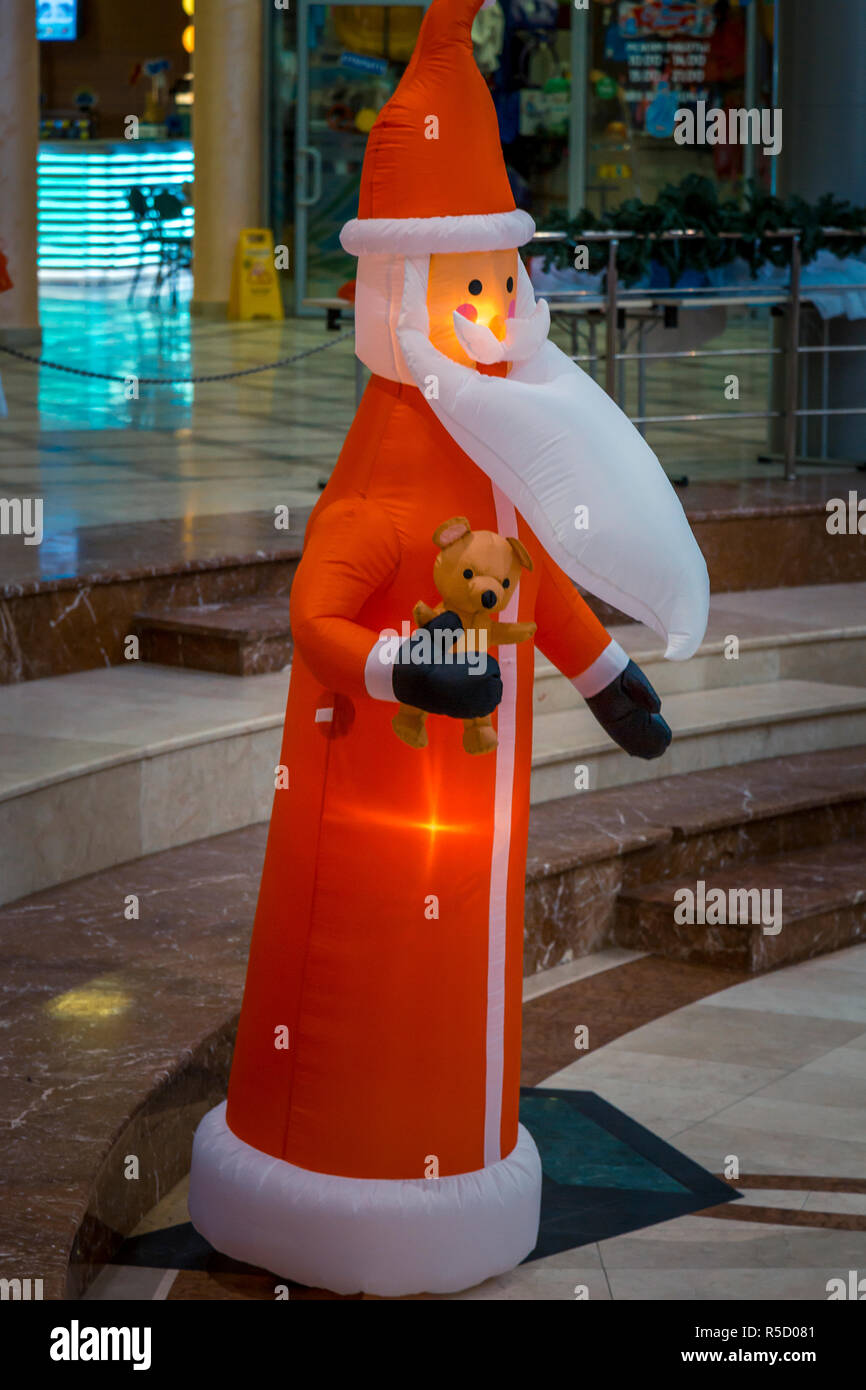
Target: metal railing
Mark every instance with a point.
(615, 298)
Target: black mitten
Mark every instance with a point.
(444, 686)
(628, 710)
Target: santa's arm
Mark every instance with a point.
(571, 636)
(614, 687)
(351, 549)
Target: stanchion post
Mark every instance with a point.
(610, 360)
(792, 362)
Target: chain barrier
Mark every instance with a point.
(178, 380)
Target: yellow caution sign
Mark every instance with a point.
(255, 291)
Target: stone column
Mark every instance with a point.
(19, 140)
(228, 139)
(823, 81)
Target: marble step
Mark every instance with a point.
(246, 637)
(69, 605)
(813, 900)
(812, 632)
(712, 728)
(589, 848)
(816, 632)
(84, 585)
(102, 766)
(825, 658)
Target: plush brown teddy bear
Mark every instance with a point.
(475, 574)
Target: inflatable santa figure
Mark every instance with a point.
(371, 1138)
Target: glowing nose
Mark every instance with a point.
(497, 327)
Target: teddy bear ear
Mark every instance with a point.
(450, 531)
(521, 552)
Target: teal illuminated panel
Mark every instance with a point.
(87, 229)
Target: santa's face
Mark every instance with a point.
(480, 286)
(551, 440)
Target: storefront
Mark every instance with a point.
(653, 57)
(585, 95)
(115, 162)
(91, 226)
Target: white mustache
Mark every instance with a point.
(558, 446)
(523, 337)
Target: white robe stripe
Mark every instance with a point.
(506, 525)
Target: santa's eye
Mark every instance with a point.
(467, 574)
(509, 283)
(506, 583)
(475, 287)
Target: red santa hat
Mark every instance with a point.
(434, 177)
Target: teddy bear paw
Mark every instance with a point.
(479, 739)
(411, 731)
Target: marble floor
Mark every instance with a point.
(769, 1073)
(97, 456)
(230, 446)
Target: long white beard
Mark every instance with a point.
(574, 466)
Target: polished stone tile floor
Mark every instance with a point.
(770, 1072)
(96, 455)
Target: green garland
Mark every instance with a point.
(694, 202)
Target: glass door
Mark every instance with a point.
(350, 58)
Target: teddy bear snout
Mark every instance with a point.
(489, 599)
